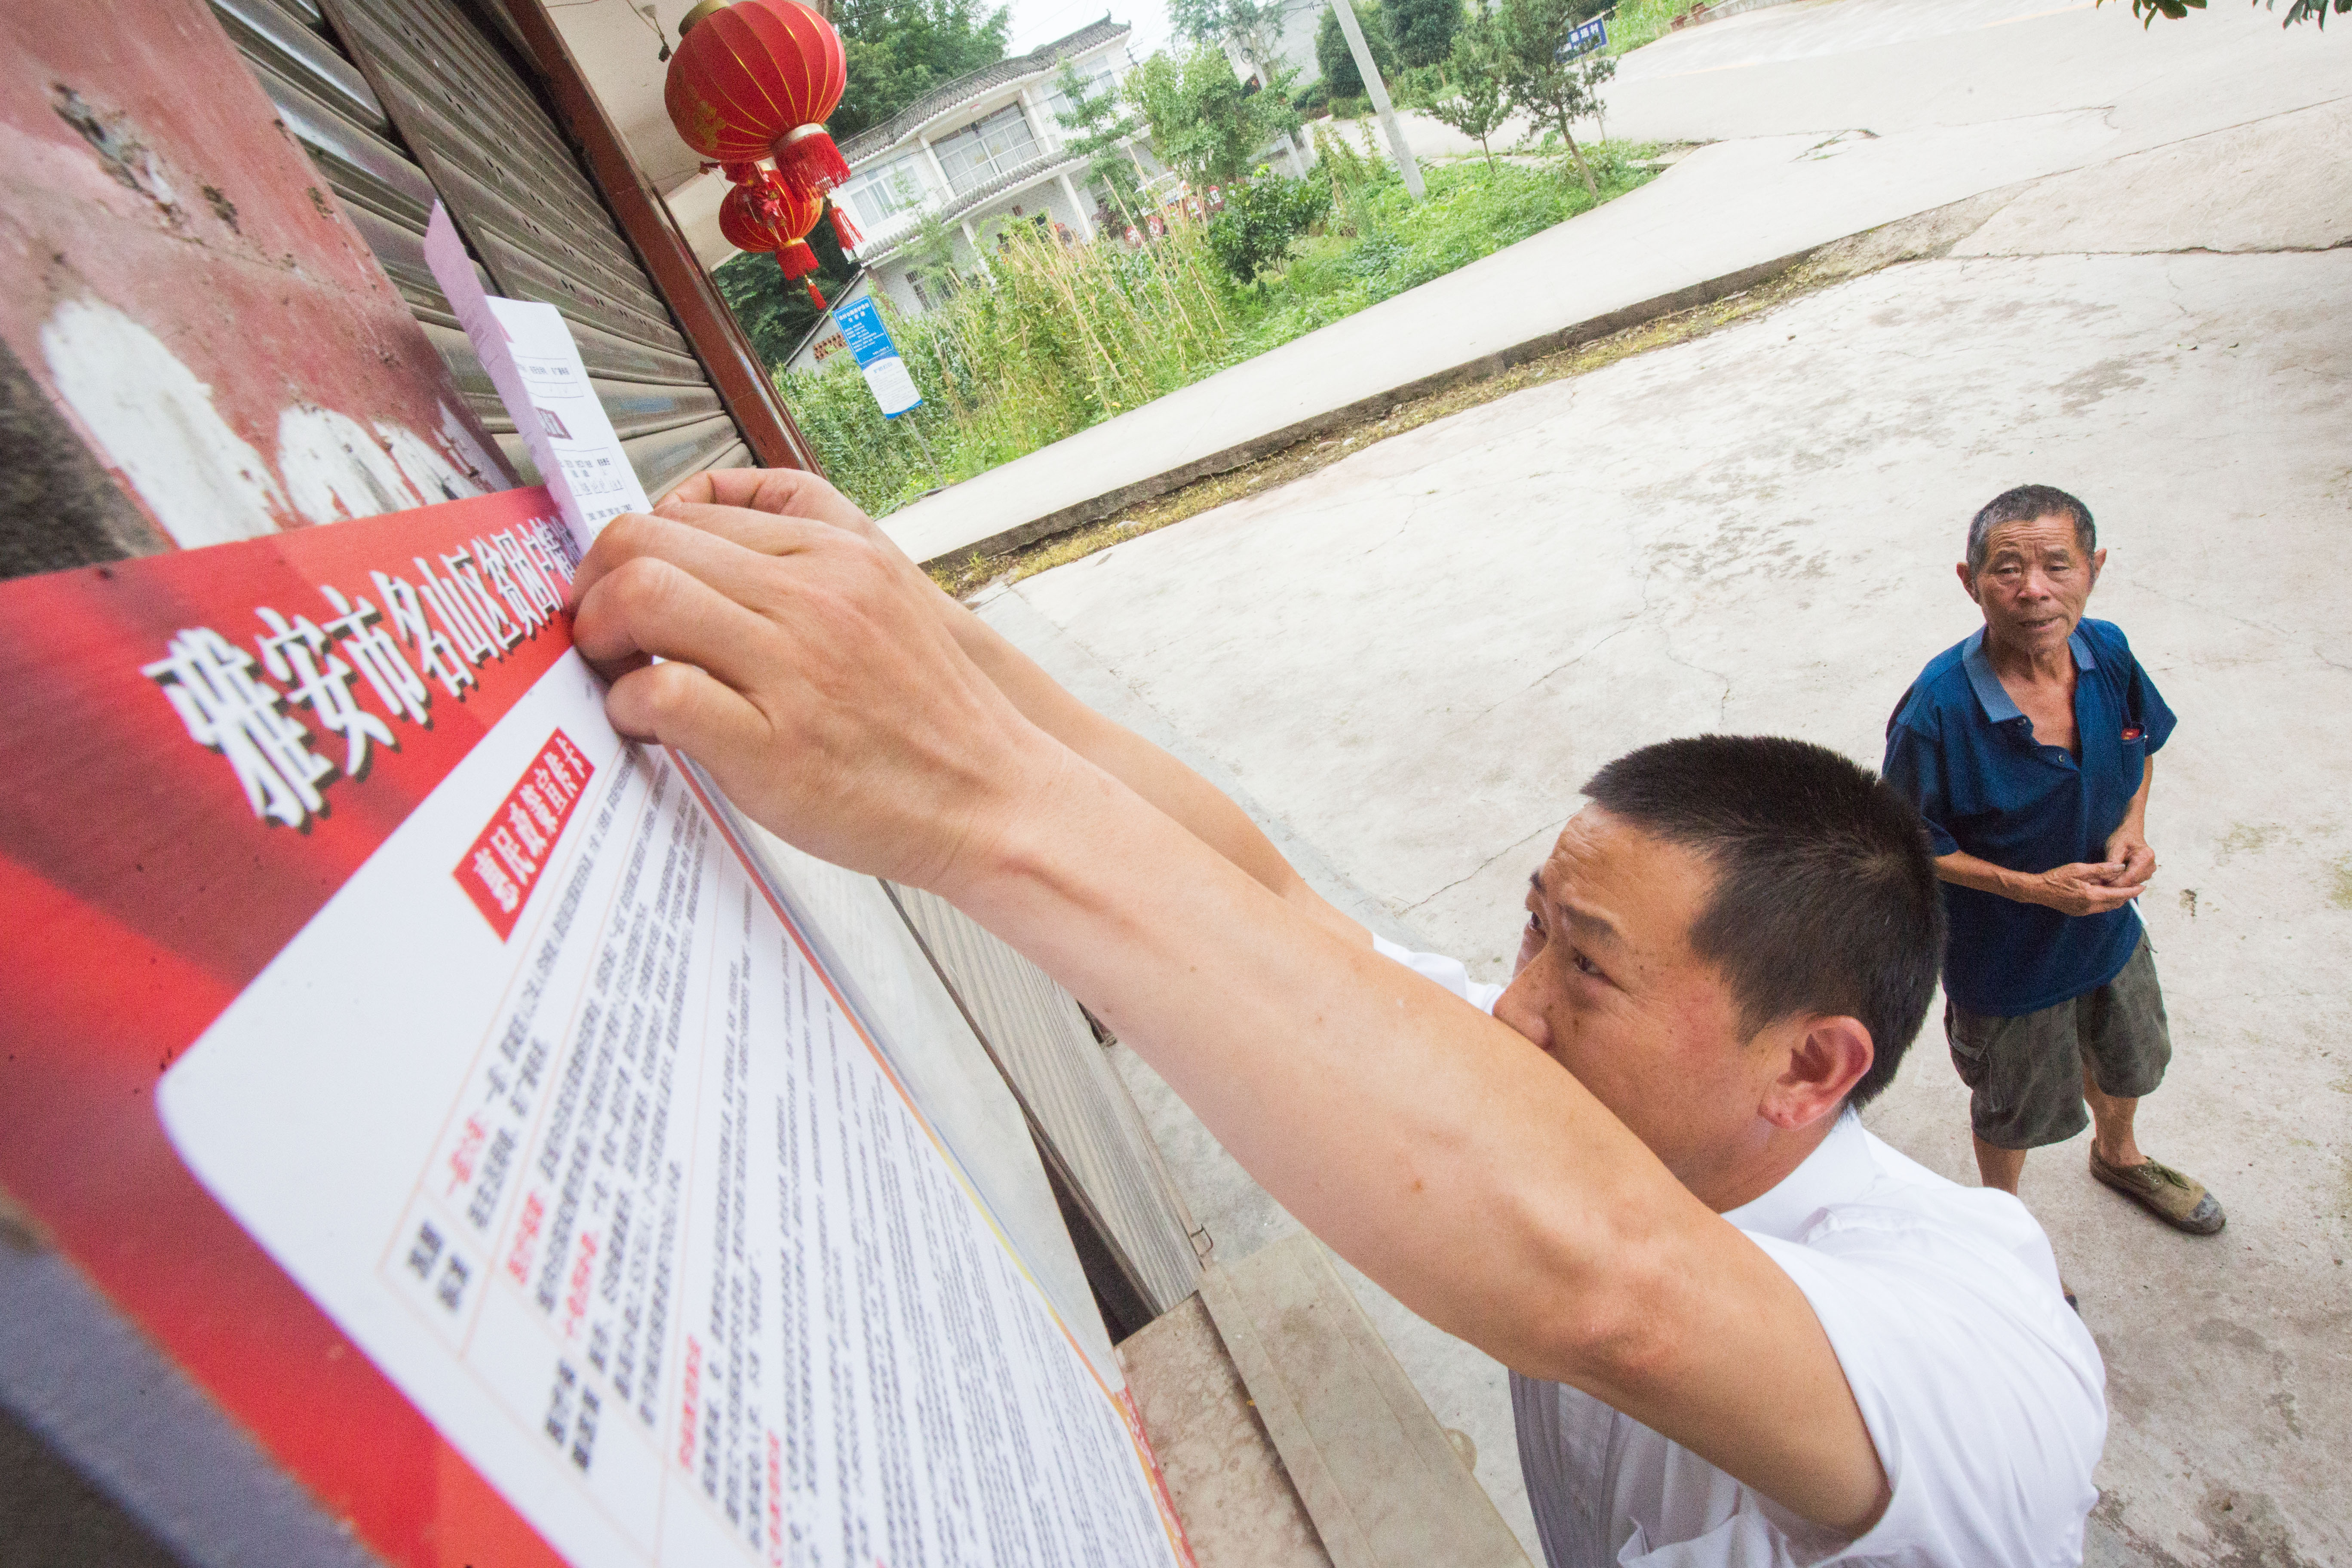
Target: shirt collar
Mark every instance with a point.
(1991, 696)
(1838, 1171)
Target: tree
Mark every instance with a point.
(1099, 125)
(1550, 90)
(1423, 29)
(1262, 219)
(1251, 27)
(1474, 102)
(774, 313)
(898, 50)
(1337, 61)
(1204, 122)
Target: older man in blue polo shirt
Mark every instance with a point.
(2028, 747)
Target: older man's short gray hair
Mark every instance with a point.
(2023, 504)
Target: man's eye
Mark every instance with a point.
(1586, 966)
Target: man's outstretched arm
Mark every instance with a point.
(1441, 1153)
(1200, 806)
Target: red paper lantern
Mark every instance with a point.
(756, 79)
(770, 216)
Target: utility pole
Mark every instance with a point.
(1406, 165)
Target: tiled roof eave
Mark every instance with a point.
(944, 101)
(1033, 172)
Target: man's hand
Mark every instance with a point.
(2128, 846)
(813, 679)
(2086, 888)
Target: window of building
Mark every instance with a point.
(978, 154)
(1095, 76)
(878, 196)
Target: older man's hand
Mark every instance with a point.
(2128, 846)
(805, 668)
(2085, 888)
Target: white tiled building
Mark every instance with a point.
(982, 149)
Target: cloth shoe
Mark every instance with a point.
(2179, 1200)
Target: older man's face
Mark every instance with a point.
(2035, 582)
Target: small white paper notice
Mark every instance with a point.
(893, 388)
(536, 367)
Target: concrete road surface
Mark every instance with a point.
(1409, 662)
(1827, 117)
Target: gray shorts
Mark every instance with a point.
(2025, 1073)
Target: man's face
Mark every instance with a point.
(1607, 984)
(2035, 582)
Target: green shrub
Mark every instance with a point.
(1262, 220)
(1637, 22)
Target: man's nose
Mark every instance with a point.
(1517, 1008)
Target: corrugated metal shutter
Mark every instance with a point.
(1086, 1123)
(454, 117)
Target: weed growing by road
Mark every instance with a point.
(1048, 339)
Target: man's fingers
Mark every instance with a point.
(678, 705)
(700, 488)
(650, 606)
(725, 563)
(764, 531)
(789, 492)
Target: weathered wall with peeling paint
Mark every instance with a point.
(185, 288)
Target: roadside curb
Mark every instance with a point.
(1098, 507)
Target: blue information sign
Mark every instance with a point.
(1584, 38)
(862, 329)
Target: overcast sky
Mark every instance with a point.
(1037, 22)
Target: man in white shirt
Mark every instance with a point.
(1742, 1331)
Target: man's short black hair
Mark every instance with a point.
(2023, 504)
(1825, 899)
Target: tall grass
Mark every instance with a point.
(1041, 342)
(1046, 339)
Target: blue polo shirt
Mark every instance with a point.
(1958, 749)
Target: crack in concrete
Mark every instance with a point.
(1509, 849)
(1632, 622)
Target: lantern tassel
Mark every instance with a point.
(809, 162)
(843, 229)
(815, 298)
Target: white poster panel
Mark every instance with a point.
(603, 1173)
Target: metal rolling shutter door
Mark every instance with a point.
(1085, 1124)
(484, 117)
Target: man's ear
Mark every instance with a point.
(1967, 580)
(1826, 1058)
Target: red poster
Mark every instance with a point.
(427, 1070)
